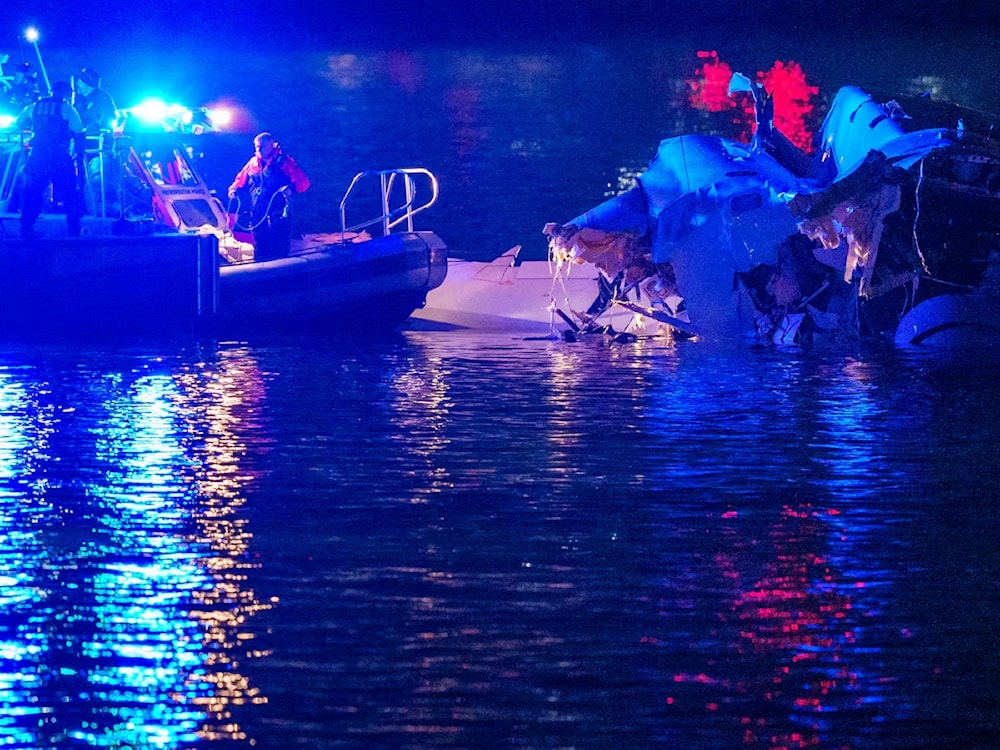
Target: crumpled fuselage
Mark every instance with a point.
(762, 239)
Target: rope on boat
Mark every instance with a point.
(265, 217)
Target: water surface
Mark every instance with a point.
(463, 540)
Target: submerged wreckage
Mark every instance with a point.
(890, 231)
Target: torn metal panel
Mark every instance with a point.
(762, 237)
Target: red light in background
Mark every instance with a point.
(785, 82)
(710, 86)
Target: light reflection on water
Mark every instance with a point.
(549, 541)
(464, 541)
(123, 558)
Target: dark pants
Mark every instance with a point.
(272, 239)
(58, 170)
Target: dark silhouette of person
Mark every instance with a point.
(56, 131)
(23, 87)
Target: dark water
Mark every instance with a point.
(479, 541)
(448, 540)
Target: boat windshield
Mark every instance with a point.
(169, 166)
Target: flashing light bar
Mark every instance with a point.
(155, 113)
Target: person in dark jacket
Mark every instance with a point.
(95, 105)
(264, 184)
(98, 112)
(57, 133)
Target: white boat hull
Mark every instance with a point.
(526, 297)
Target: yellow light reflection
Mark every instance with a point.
(228, 399)
(123, 576)
(421, 409)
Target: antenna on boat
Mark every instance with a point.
(31, 34)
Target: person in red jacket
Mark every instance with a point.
(263, 186)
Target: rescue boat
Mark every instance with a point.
(171, 261)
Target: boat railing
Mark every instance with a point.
(95, 196)
(93, 179)
(389, 181)
(12, 159)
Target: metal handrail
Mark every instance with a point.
(391, 217)
(12, 159)
(94, 148)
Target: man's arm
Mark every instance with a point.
(240, 181)
(298, 178)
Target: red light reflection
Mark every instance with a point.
(406, 71)
(792, 615)
(793, 107)
(784, 81)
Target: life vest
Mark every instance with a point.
(263, 182)
(50, 129)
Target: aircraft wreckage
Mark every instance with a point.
(889, 231)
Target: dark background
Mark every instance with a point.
(527, 112)
(259, 23)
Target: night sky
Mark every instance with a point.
(280, 24)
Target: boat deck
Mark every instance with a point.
(50, 225)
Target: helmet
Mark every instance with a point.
(90, 77)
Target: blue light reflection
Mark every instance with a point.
(122, 562)
(23, 512)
